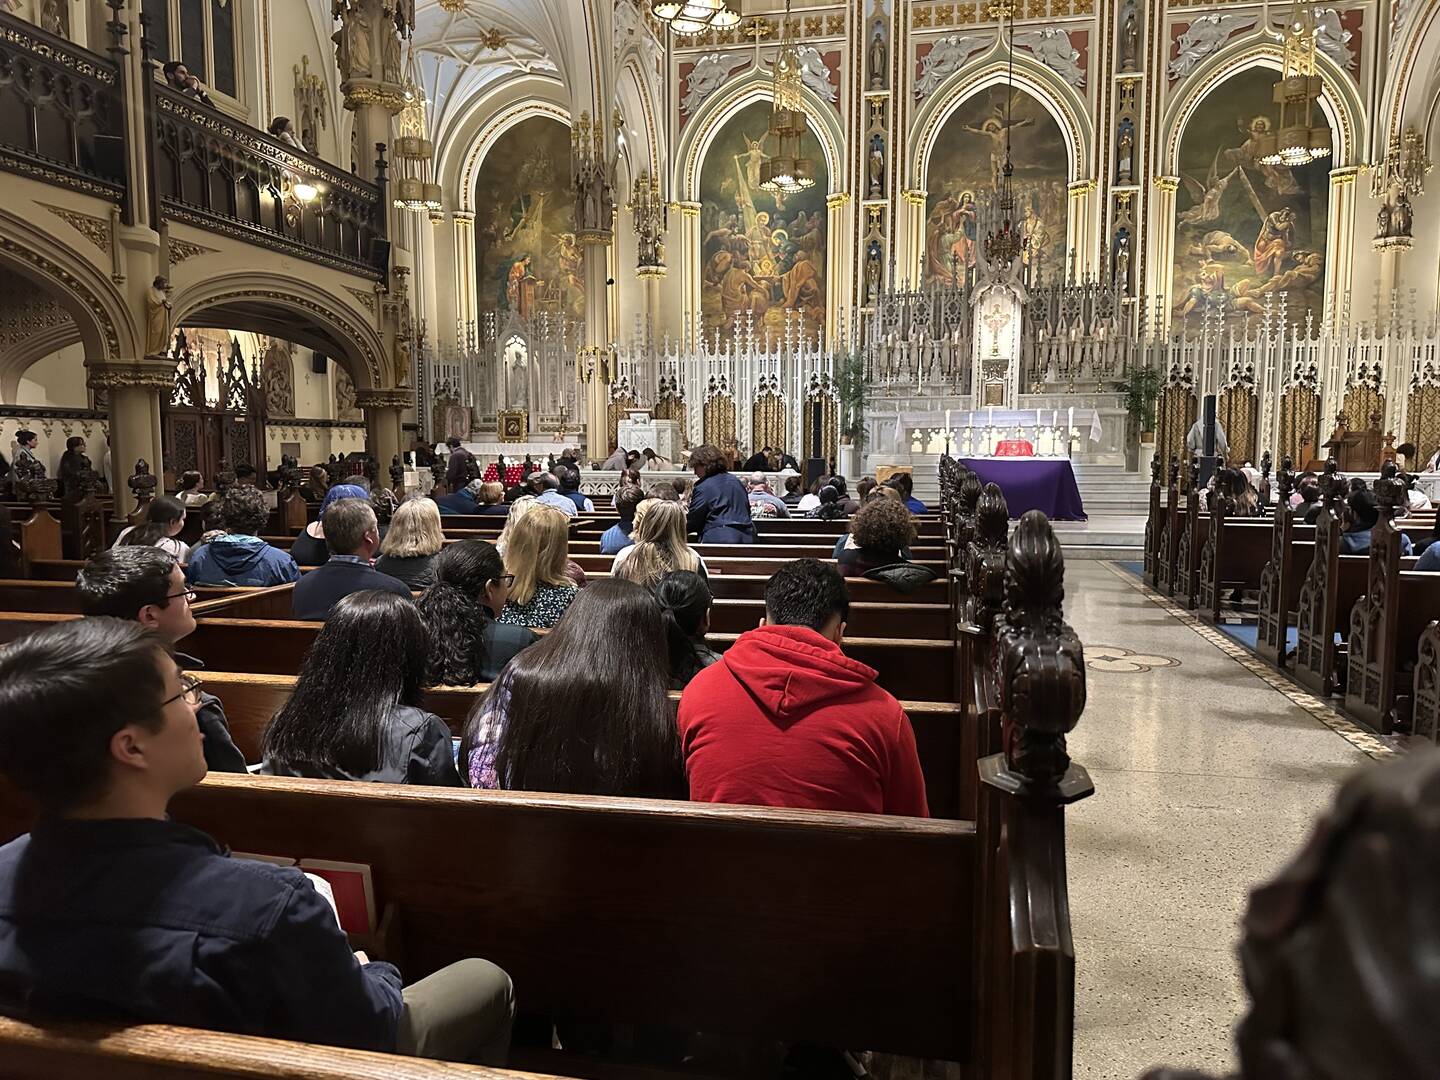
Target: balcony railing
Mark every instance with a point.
(62, 116)
(224, 177)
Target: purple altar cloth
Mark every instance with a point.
(1046, 484)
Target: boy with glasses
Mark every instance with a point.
(109, 910)
(147, 586)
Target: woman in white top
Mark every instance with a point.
(190, 493)
(164, 521)
(659, 546)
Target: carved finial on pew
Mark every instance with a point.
(287, 476)
(1193, 477)
(1174, 470)
(1039, 667)
(1389, 491)
(438, 488)
(1155, 470)
(397, 477)
(985, 558)
(970, 488)
(1284, 483)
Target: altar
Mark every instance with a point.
(641, 431)
(1032, 483)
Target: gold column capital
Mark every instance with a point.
(1078, 188)
(1346, 175)
(1167, 183)
(836, 199)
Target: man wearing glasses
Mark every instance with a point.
(109, 910)
(147, 586)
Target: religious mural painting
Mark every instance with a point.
(967, 161)
(1245, 232)
(527, 255)
(762, 253)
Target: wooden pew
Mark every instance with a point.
(1194, 527)
(61, 597)
(947, 751)
(1386, 623)
(1292, 548)
(1233, 556)
(909, 668)
(1169, 532)
(1425, 715)
(1154, 522)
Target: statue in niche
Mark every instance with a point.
(877, 167)
(872, 271)
(1122, 263)
(352, 40)
(157, 317)
(879, 59)
(55, 18)
(1125, 153)
(345, 407)
(1402, 217)
(390, 63)
(1129, 41)
(1383, 222)
(277, 377)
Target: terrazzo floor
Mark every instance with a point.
(1208, 772)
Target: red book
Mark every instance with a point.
(354, 892)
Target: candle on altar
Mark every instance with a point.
(1070, 417)
(947, 419)
(990, 415)
(1037, 417)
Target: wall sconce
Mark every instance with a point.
(305, 191)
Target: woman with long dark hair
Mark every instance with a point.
(830, 507)
(355, 711)
(164, 521)
(685, 601)
(467, 645)
(584, 711)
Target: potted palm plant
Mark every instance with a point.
(1141, 387)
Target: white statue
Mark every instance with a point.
(157, 317)
(946, 58)
(815, 75)
(1204, 37)
(390, 63)
(1051, 46)
(707, 76)
(1331, 38)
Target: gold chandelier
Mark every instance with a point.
(1006, 242)
(687, 17)
(414, 187)
(1299, 139)
(788, 171)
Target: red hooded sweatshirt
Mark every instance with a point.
(787, 719)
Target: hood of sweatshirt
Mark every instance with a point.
(236, 554)
(791, 670)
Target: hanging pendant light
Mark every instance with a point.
(1006, 242)
(1299, 140)
(788, 171)
(689, 17)
(414, 154)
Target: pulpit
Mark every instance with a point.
(1357, 451)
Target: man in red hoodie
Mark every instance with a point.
(785, 718)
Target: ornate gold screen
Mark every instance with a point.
(1361, 403)
(1299, 426)
(829, 427)
(619, 407)
(1176, 412)
(720, 420)
(767, 418)
(1423, 424)
(1235, 410)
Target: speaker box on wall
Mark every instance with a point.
(380, 256)
(815, 468)
(318, 363)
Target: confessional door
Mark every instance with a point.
(202, 439)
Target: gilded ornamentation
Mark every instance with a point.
(359, 95)
(140, 374)
(366, 297)
(385, 399)
(180, 250)
(96, 230)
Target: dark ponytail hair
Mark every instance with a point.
(161, 514)
(830, 506)
(685, 600)
(455, 613)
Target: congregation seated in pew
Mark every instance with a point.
(464, 501)
(685, 602)
(111, 911)
(764, 503)
(1362, 513)
(659, 546)
(412, 544)
(353, 536)
(310, 548)
(619, 536)
(537, 555)
(354, 713)
(785, 718)
(146, 585)
(545, 486)
(719, 509)
(238, 556)
(881, 533)
(460, 610)
(164, 520)
(190, 494)
(584, 711)
(832, 505)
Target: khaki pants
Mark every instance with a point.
(461, 1013)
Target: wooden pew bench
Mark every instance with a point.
(947, 748)
(840, 929)
(1385, 628)
(61, 597)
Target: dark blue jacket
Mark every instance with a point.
(719, 504)
(458, 502)
(150, 921)
(322, 588)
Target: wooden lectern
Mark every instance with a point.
(1357, 451)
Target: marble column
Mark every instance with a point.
(465, 270)
(839, 258)
(910, 238)
(691, 267)
(384, 410)
(1340, 258)
(1080, 230)
(135, 388)
(597, 343)
(1162, 232)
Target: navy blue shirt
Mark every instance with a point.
(152, 922)
(457, 502)
(325, 586)
(719, 504)
(615, 539)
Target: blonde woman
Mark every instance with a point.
(535, 557)
(411, 544)
(518, 509)
(659, 546)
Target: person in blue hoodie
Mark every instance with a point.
(240, 557)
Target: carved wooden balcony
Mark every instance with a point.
(224, 177)
(62, 116)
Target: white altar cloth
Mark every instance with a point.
(1003, 419)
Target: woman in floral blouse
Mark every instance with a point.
(536, 552)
